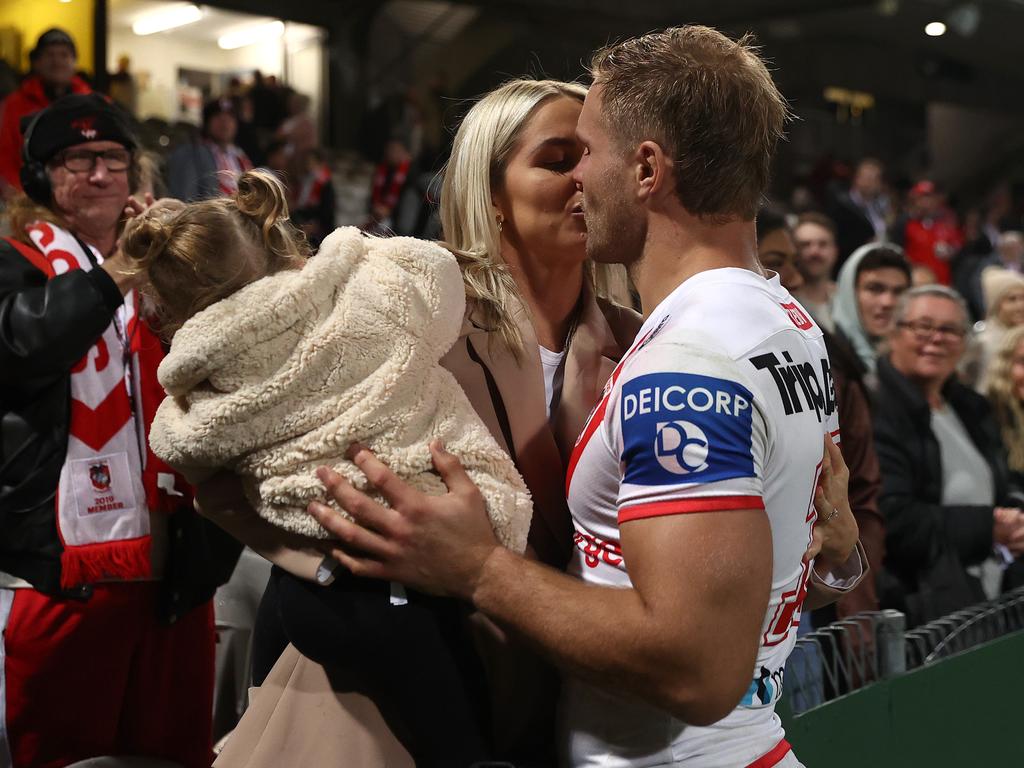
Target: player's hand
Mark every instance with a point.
(436, 544)
(837, 538)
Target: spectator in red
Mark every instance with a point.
(388, 182)
(930, 234)
(53, 75)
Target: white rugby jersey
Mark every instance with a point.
(720, 404)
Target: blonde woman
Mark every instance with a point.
(1004, 302)
(536, 347)
(1005, 391)
(1006, 394)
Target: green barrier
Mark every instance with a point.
(964, 711)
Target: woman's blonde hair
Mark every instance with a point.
(193, 255)
(1003, 396)
(483, 144)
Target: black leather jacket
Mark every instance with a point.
(46, 326)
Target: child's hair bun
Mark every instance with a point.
(146, 235)
(261, 197)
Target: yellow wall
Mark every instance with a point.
(33, 17)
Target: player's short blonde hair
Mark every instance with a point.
(710, 103)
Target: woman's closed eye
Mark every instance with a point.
(562, 164)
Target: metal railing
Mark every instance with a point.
(965, 629)
(846, 655)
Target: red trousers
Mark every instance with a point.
(103, 677)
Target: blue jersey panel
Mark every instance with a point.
(685, 428)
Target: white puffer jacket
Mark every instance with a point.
(282, 376)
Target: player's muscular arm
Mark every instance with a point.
(684, 638)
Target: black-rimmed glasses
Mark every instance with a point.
(925, 331)
(84, 160)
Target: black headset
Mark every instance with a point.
(35, 181)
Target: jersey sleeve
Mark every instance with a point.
(689, 433)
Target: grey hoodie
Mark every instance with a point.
(845, 312)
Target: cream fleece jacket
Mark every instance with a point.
(282, 376)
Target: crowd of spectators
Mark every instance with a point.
(927, 305)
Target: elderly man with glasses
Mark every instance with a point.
(951, 526)
(107, 638)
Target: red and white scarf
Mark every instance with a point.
(312, 190)
(231, 163)
(386, 191)
(110, 481)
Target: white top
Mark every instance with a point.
(721, 404)
(967, 479)
(553, 364)
(966, 476)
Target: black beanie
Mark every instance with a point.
(52, 36)
(73, 120)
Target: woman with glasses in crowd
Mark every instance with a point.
(951, 525)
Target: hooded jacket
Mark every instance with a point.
(846, 314)
(282, 376)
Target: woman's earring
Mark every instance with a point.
(500, 219)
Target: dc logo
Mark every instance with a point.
(681, 447)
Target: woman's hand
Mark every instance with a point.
(835, 532)
(1008, 529)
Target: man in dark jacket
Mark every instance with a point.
(944, 476)
(210, 167)
(92, 524)
(860, 212)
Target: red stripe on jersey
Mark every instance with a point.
(687, 506)
(598, 414)
(778, 752)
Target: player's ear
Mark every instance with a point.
(653, 170)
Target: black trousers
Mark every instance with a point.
(415, 661)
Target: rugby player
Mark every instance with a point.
(693, 486)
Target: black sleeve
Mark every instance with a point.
(46, 326)
(917, 530)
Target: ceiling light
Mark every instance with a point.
(167, 18)
(249, 35)
(935, 29)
